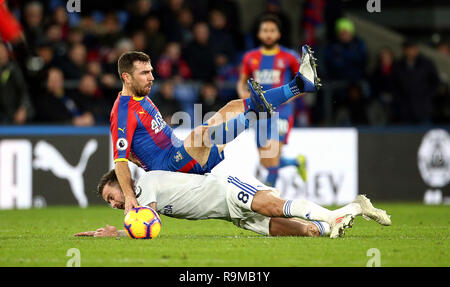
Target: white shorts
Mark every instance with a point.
(239, 199)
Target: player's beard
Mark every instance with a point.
(140, 91)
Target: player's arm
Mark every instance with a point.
(241, 86)
(124, 177)
(122, 131)
(244, 75)
(108, 231)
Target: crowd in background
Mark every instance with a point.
(64, 71)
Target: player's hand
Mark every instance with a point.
(130, 203)
(86, 233)
(108, 231)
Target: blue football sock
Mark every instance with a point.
(272, 177)
(228, 131)
(280, 95)
(288, 161)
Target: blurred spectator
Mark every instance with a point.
(139, 40)
(333, 10)
(15, 103)
(441, 104)
(443, 47)
(353, 110)
(221, 40)
(55, 106)
(273, 7)
(75, 36)
(109, 79)
(346, 58)
(415, 82)
(166, 102)
(313, 22)
(382, 81)
(139, 10)
(75, 64)
(199, 54)
(54, 35)
(94, 68)
(185, 20)
(171, 65)
(33, 22)
(89, 98)
(110, 32)
(169, 17)
(61, 19)
(155, 38)
(232, 13)
(36, 79)
(210, 100)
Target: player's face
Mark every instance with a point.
(268, 34)
(142, 78)
(113, 196)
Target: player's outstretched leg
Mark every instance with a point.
(338, 220)
(227, 131)
(266, 203)
(305, 81)
(280, 226)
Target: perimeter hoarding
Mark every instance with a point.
(51, 168)
(405, 165)
(42, 166)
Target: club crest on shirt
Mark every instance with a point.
(254, 63)
(168, 209)
(178, 157)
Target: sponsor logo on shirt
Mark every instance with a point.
(267, 76)
(168, 209)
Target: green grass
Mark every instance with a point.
(419, 236)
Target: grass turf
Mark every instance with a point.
(419, 236)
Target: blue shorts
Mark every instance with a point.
(178, 159)
(278, 130)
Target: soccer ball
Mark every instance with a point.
(142, 223)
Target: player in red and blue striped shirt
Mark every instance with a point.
(140, 134)
(272, 66)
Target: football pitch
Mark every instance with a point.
(419, 236)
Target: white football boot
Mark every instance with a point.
(339, 224)
(307, 71)
(368, 211)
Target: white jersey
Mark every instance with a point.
(192, 196)
(183, 195)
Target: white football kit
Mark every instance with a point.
(193, 196)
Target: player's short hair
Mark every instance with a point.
(270, 18)
(108, 178)
(125, 64)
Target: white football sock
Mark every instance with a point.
(307, 210)
(351, 208)
(324, 227)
